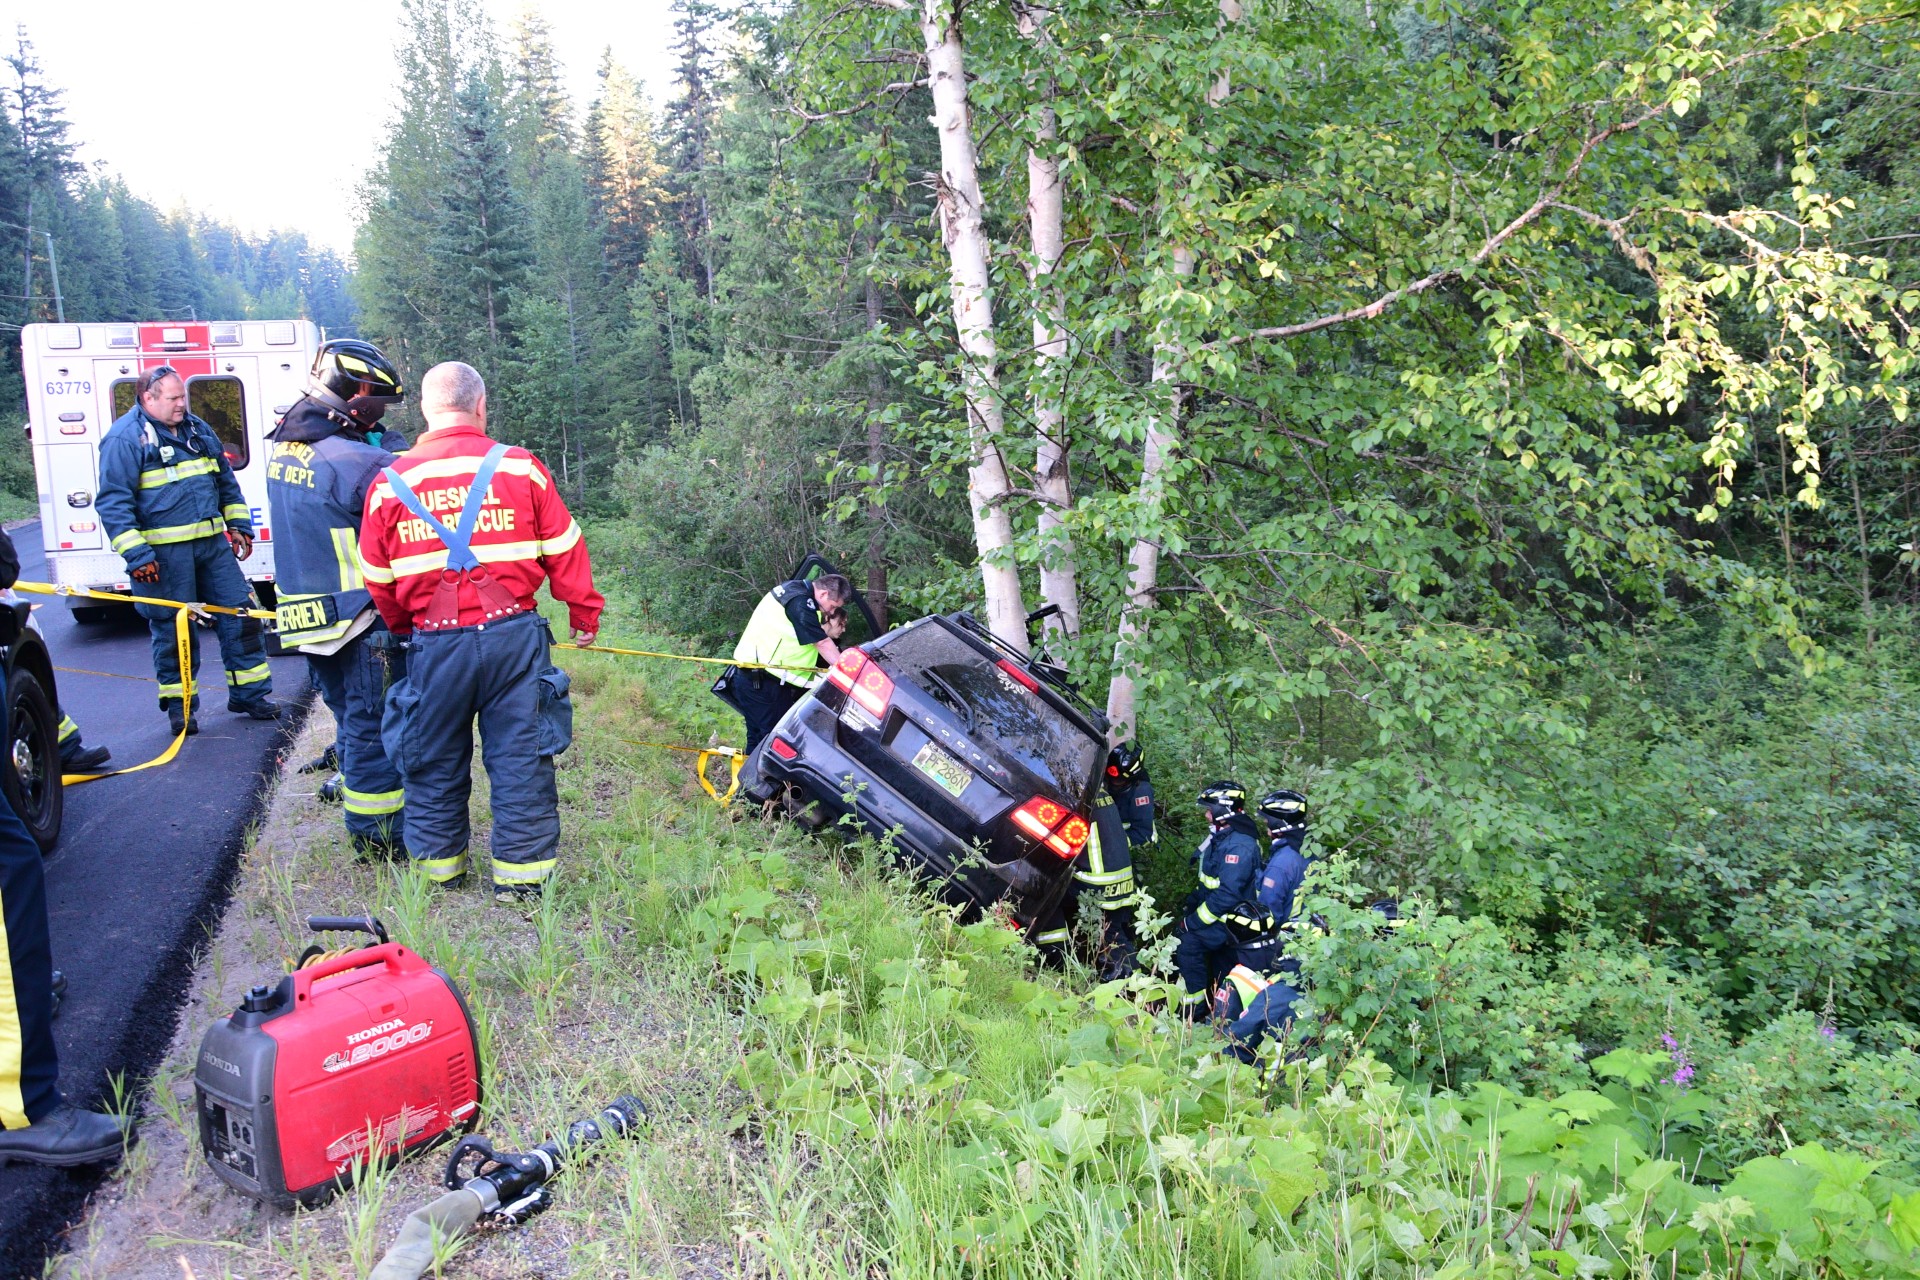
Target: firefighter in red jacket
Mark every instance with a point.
(458, 535)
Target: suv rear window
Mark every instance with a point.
(997, 710)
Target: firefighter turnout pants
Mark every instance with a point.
(204, 570)
(501, 673)
(353, 682)
(28, 1067)
(1201, 955)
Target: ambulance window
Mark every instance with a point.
(223, 405)
(122, 397)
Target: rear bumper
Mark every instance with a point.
(843, 788)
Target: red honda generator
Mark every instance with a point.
(355, 1056)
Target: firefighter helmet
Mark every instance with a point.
(1125, 765)
(1223, 799)
(355, 378)
(1284, 812)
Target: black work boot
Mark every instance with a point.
(59, 992)
(66, 1136)
(333, 790)
(518, 895)
(262, 710)
(84, 759)
(327, 761)
(175, 719)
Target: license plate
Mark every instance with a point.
(943, 769)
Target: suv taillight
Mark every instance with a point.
(863, 680)
(1054, 825)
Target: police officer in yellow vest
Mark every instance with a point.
(325, 457)
(787, 635)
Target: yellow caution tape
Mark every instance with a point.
(735, 759)
(688, 657)
(183, 642)
(52, 589)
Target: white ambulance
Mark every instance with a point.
(241, 375)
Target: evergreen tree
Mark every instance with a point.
(481, 244)
(540, 116)
(624, 171)
(42, 159)
(691, 120)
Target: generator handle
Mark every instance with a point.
(389, 955)
(348, 924)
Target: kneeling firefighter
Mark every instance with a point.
(1256, 997)
(323, 462)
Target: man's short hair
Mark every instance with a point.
(452, 387)
(838, 589)
(151, 378)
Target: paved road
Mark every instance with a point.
(145, 862)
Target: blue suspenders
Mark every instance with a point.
(459, 541)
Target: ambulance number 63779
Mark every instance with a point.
(76, 388)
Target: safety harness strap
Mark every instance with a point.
(458, 541)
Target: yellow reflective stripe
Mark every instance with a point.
(1210, 882)
(373, 802)
(419, 473)
(441, 870)
(236, 512)
(249, 675)
(172, 533)
(131, 538)
(1049, 936)
(376, 573)
(1206, 914)
(565, 542)
(1131, 899)
(522, 872)
(158, 476)
(1109, 877)
(67, 727)
(1240, 973)
(346, 553)
(1193, 997)
(13, 1099)
(435, 561)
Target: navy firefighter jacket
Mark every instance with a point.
(160, 485)
(1280, 882)
(1229, 860)
(317, 482)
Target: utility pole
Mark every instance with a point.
(53, 268)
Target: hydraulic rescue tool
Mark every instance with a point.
(505, 1186)
(358, 1055)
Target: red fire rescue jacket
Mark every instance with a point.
(524, 535)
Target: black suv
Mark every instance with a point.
(980, 763)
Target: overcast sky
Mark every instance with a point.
(257, 111)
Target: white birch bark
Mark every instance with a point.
(1143, 560)
(964, 230)
(1046, 216)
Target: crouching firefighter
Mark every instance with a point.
(1255, 997)
(1104, 869)
(463, 595)
(318, 474)
(1228, 859)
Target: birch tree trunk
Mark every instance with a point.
(1143, 561)
(964, 231)
(1046, 211)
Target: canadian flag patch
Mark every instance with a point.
(1232, 858)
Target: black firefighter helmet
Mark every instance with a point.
(1222, 800)
(355, 378)
(1284, 812)
(1125, 765)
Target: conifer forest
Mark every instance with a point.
(1491, 418)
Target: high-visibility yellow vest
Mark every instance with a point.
(770, 639)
